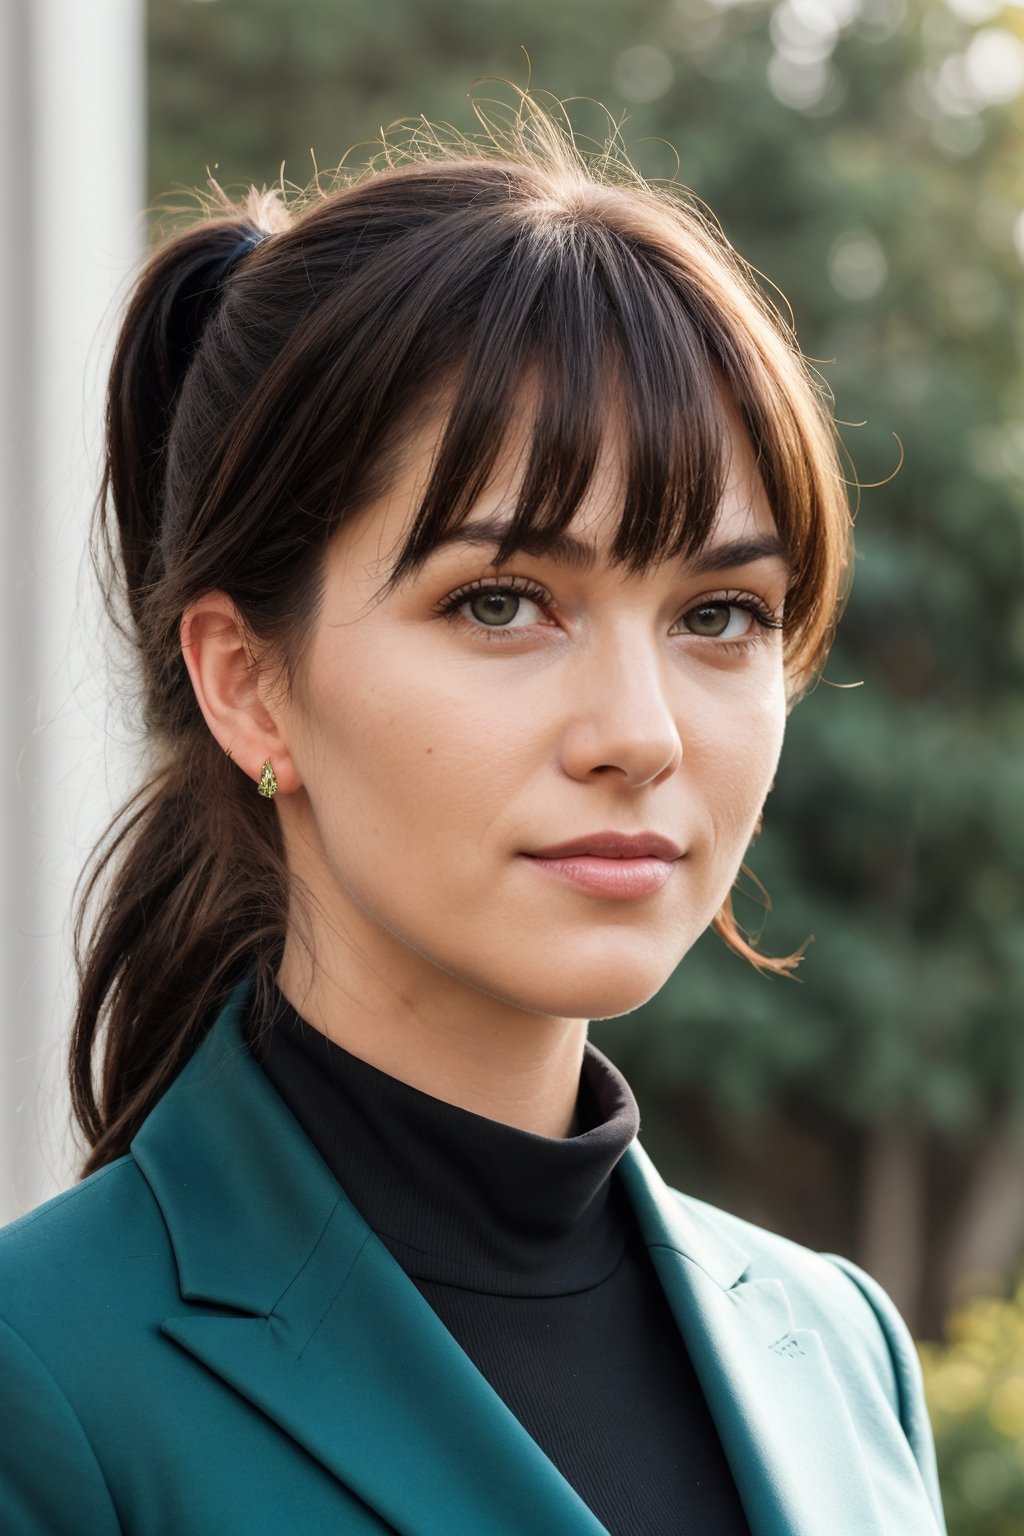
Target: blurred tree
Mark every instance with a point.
(865, 154)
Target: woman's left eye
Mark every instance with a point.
(739, 618)
(720, 621)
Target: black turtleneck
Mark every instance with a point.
(527, 1249)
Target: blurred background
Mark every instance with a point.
(868, 157)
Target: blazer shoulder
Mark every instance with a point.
(826, 1293)
(47, 1226)
(80, 1251)
(906, 1364)
(850, 1311)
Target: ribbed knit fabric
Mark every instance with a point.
(526, 1248)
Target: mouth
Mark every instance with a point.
(613, 845)
(614, 865)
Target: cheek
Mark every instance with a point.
(735, 756)
(411, 754)
(748, 702)
(761, 738)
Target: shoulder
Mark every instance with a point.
(826, 1292)
(852, 1314)
(113, 1195)
(100, 1245)
(71, 1271)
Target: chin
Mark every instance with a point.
(616, 999)
(594, 989)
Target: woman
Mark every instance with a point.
(475, 526)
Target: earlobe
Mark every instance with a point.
(225, 677)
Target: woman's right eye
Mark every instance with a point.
(496, 608)
(499, 609)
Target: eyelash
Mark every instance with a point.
(449, 608)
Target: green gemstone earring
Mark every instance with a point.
(267, 785)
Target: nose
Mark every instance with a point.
(621, 719)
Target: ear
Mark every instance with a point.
(227, 678)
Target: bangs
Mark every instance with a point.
(589, 334)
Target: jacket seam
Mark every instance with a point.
(905, 1393)
(304, 1266)
(40, 1212)
(59, 1390)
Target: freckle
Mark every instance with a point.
(429, 750)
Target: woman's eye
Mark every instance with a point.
(719, 621)
(498, 609)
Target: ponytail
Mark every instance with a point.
(160, 333)
(188, 884)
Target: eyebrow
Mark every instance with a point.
(573, 553)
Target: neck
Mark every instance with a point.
(444, 1038)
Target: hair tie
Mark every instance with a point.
(245, 245)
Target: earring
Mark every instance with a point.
(267, 785)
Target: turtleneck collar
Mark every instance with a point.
(457, 1198)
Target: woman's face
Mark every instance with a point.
(448, 732)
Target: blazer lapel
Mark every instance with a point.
(784, 1422)
(326, 1335)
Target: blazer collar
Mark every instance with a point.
(271, 1236)
(242, 1223)
(242, 1219)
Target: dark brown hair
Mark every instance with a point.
(257, 400)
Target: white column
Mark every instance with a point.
(71, 231)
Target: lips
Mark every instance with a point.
(613, 845)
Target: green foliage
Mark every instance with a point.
(975, 1388)
(246, 85)
(841, 146)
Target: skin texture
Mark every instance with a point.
(420, 757)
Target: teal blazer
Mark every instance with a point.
(206, 1339)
